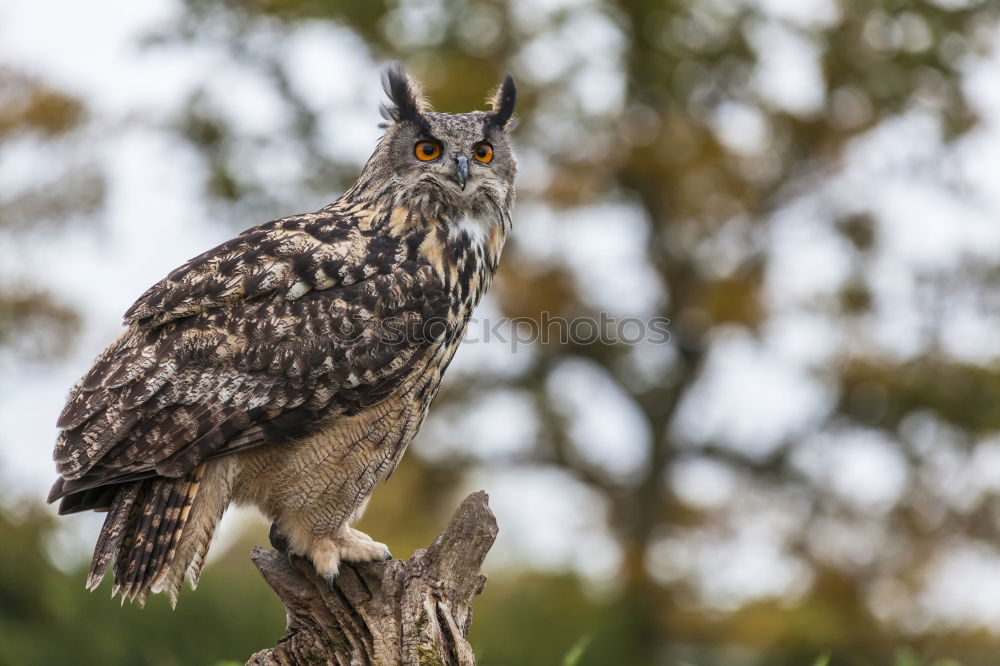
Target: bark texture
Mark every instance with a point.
(414, 613)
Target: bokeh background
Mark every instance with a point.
(807, 189)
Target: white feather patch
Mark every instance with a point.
(477, 229)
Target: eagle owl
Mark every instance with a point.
(289, 367)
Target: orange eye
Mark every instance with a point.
(427, 150)
(483, 152)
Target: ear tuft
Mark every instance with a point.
(503, 102)
(404, 94)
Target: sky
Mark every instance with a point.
(755, 391)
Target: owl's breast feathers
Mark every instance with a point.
(269, 336)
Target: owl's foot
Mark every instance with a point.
(349, 545)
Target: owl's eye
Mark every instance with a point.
(483, 152)
(427, 150)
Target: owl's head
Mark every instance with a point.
(464, 159)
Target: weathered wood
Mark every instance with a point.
(414, 613)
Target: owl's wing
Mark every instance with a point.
(293, 256)
(252, 342)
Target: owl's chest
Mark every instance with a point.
(470, 252)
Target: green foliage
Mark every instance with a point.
(904, 657)
(33, 323)
(28, 105)
(47, 617)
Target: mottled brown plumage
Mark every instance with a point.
(289, 367)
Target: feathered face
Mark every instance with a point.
(464, 159)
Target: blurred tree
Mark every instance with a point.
(33, 321)
(705, 121)
(680, 112)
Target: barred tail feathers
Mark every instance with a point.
(213, 499)
(142, 531)
(112, 533)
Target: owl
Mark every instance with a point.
(288, 368)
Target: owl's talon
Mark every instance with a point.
(356, 546)
(329, 553)
(278, 540)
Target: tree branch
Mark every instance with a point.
(414, 613)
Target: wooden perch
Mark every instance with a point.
(415, 613)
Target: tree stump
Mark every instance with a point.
(415, 613)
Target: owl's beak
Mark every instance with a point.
(462, 170)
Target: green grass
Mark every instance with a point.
(576, 652)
